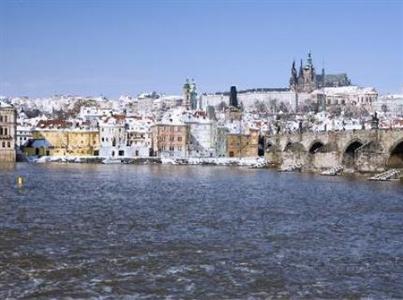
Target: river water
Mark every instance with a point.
(147, 232)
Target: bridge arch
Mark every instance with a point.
(395, 159)
(349, 154)
(316, 146)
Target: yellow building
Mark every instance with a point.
(243, 145)
(70, 142)
(38, 147)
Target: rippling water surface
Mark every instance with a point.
(111, 231)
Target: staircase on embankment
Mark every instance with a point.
(387, 175)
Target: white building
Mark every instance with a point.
(249, 98)
(202, 134)
(112, 135)
(138, 136)
(392, 104)
(92, 113)
(24, 134)
(345, 96)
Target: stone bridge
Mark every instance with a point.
(357, 150)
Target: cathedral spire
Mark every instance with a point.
(309, 59)
(301, 73)
(293, 78)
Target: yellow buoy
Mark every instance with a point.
(20, 180)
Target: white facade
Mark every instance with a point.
(347, 95)
(138, 136)
(202, 134)
(125, 137)
(392, 104)
(249, 98)
(24, 134)
(112, 135)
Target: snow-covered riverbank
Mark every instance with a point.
(217, 161)
(258, 162)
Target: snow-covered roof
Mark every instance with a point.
(348, 90)
(4, 104)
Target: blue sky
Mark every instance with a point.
(125, 47)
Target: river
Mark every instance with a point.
(116, 231)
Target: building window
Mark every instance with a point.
(179, 139)
(5, 119)
(8, 145)
(5, 131)
(137, 153)
(121, 153)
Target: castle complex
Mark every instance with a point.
(306, 80)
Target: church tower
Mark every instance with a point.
(305, 82)
(193, 95)
(186, 95)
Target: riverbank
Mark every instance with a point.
(251, 162)
(257, 162)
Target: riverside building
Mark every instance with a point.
(8, 116)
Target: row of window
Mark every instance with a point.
(343, 102)
(3, 119)
(171, 128)
(171, 148)
(136, 135)
(111, 129)
(171, 138)
(122, 153)
(6, 144)
(3, 131)
(130, 143)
